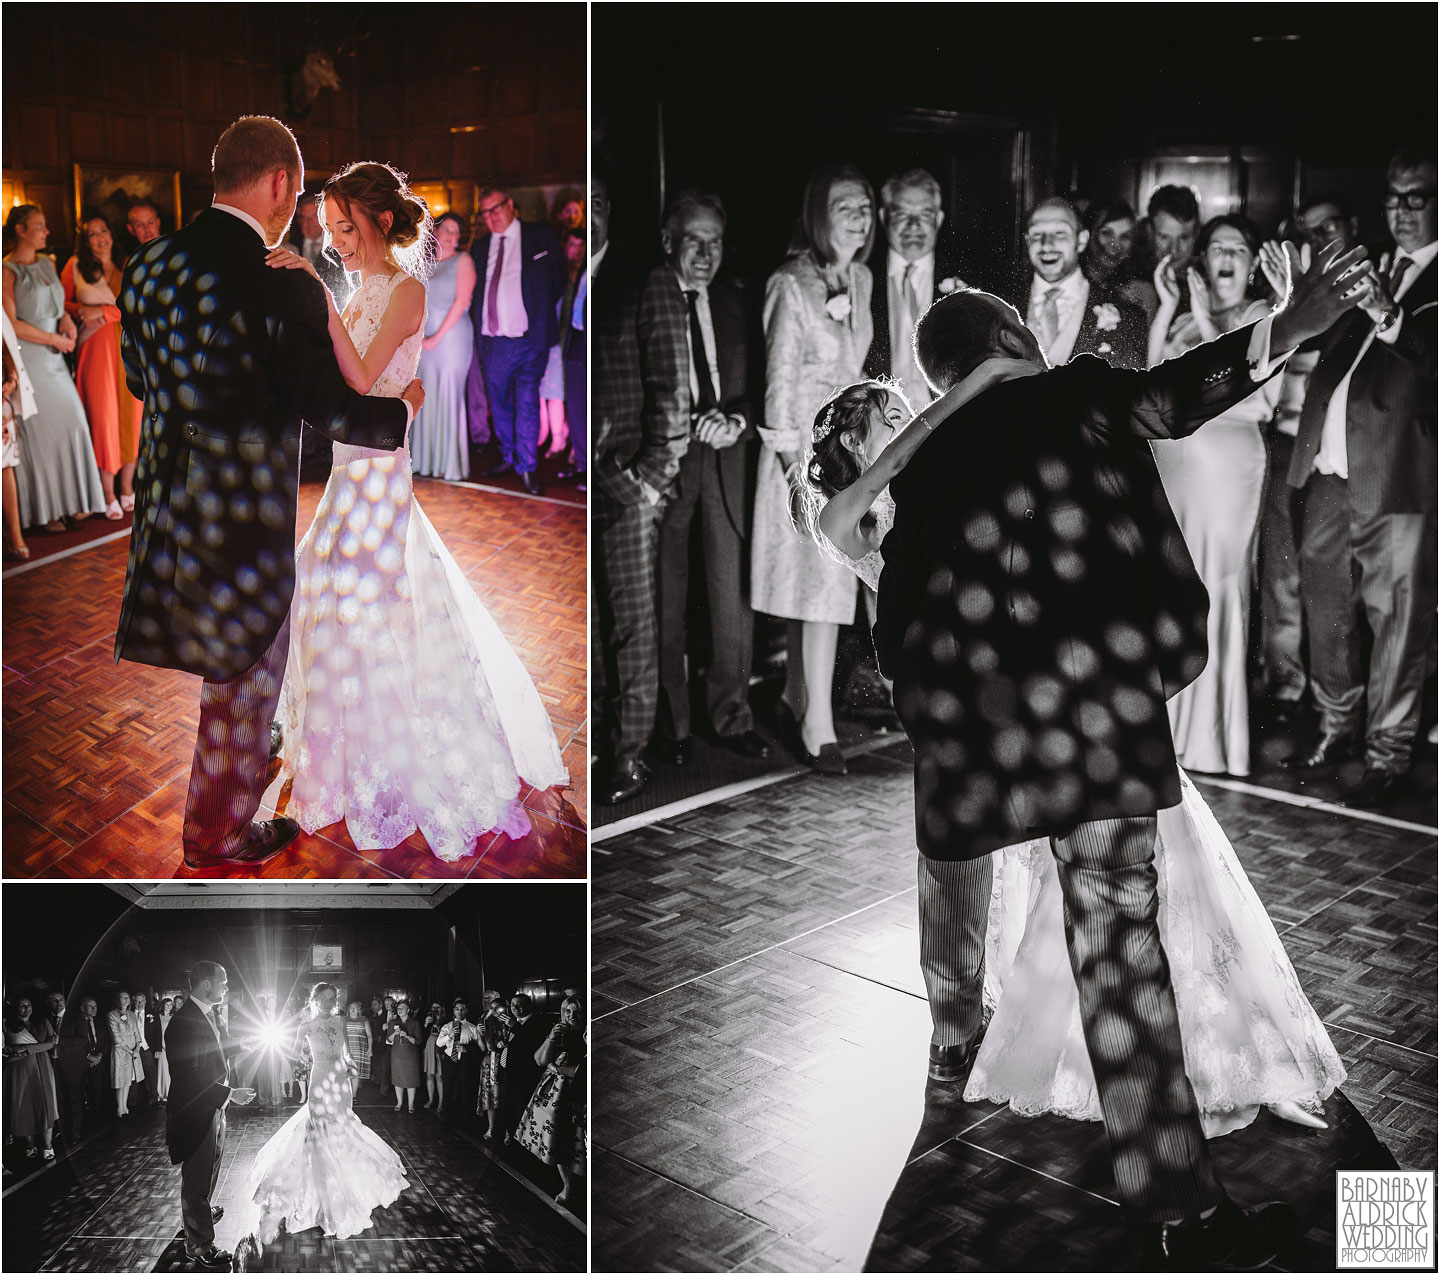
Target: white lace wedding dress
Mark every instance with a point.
(1250, 1036)
(324, 1167)
(403, 705)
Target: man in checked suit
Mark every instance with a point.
(195, 1113)
(713, 485)
(1364, 469)
(641, 428)
(519, 278)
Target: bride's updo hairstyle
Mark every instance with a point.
(318, 990)
(853, 411)
(370, 190)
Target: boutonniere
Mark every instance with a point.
(1107, 317)
(838, 307)
(953, 284)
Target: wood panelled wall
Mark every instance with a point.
(495, 94)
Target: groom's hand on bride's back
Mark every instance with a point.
(414, 395)
(242, 1096)
(1322, 290)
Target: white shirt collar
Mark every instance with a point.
(512, 231)
(702, 289)
(1070, 286)
(1422, 257)
(598, 256)
(245, 217)
(895, 265)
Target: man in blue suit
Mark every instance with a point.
(520, 278)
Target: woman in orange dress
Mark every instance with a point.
(91, 280)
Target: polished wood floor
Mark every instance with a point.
(97, 754)
(761, 1029)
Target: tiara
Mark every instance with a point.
(823, 428)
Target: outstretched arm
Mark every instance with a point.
(841, 519)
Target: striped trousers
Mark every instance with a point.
(625, 644)
(232, 751)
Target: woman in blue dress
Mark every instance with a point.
(440, 437)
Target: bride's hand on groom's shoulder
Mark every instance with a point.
(284, 259)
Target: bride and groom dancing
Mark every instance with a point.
(323, 1168)
(1036, 608)
(400, 703)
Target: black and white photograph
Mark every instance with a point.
(295, 1076)
(1013, 659)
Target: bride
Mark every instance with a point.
(403, 706)
(1250, 1036)
(324, 1167)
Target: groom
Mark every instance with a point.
(1037, 607)
(229, 356)
(195, 1112)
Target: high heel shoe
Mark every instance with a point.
(1296, 1114)
(828, 761)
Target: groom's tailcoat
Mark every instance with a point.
(199, 1085)
(227, 355)
(1038, 604)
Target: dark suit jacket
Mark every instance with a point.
(522, 1072)
(199, 1085)
(542, 282)
(227, 355)
(72, 1046)
(640, 386)
(1390, 411)
(1038, 604)
(1124, 345)
(332, 273)
(153, 1039)
(664, 299)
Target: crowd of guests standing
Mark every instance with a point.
(514, 1075)
(503, 355)
(1315, 496)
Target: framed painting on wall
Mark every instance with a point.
(327, 956)
(112, 189)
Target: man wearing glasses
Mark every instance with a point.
(1364, 465)
(520, 277)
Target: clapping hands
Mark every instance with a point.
(1322, 290)
(1166, 284)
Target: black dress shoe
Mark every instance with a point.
(569, 474)
(675, 752)
(265, 841)
(213, 1259)
(531, 483)
(746, 744)
(828, 761)
(1326, 750)
(1375, 787)
(951, 1063)
(277, 740)
(626, 782)
(217, 1212)
(498, 470)
(1230, 1239)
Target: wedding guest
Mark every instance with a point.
(1213, 479)
(554, 434)
(70, 1068)
(567, 211)
(307, 237)
(642, 417)
(1068, 314)
(92, 1031)
(547, 1128)
(711, 493)
(152, 1043)
(519, 278)
(1172, 218)
(440, 438)
(1110, 224)
(359, 1038)
(16, 550)
(381, 1012)
(162, 1059)
(406, 1041)
(911, 214)
(1319, 220)
(459, 1046)
(520, 1070)
(57, 478)
(818, 328)
(143, 222)
(434, 1094)
(495, 1028)
(572, 352)
(31, 1109)
(1364, 467)
(126, 1045)
(91, 280)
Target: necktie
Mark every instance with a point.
(492, 291)
(706, 399)
(567, 312)
(1049, 318)
(907, 293)
(1397, 272)
(90, 1026)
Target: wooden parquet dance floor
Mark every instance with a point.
(761, 1031)
(97, 754)
(114, 1205)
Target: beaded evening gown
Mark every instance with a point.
(1249, 1033)
(324, 1167)
(403, 705)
